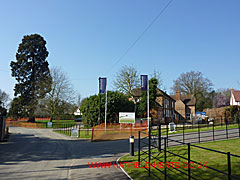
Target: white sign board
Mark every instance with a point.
(49, 124)
(126, 117)
(74, 132)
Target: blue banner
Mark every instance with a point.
(102, 85)
(144, 82)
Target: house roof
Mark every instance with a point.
(189, 99)
(137, 92)
(162, 93)
(236, 95)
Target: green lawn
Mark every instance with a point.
(83, 133)
(55, 121)
(213, 159)
(195, 129)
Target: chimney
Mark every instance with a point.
(232, 90)
(178, 95)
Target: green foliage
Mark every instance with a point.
(117, 102)
(17, 109)
(205, 100)
(31, 72)
(4, 98)
(234, 113)
(142, 104)
(3, 111)
(89, 110)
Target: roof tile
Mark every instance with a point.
(236, 95)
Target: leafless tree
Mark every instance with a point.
(158, 75)
(4, 99)
(79, 100)
(192, 82)
(61, 91)
(126, 80)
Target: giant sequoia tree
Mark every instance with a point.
(31, 72)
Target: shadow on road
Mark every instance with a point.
(27, 147)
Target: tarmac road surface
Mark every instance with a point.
(43, 154)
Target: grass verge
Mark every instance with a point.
(213, 159)
(82, 133)
(55, 121)
(204, 127)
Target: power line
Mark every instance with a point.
(141, 35)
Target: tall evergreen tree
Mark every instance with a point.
(31, 72)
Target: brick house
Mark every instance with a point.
(163, 110)
(185, 105)
(235, 98)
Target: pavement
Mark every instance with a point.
(43, 154)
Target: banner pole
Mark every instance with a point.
(148, 104)
(99, 99)
(106, 109)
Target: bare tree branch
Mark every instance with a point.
(126, 80)
(62, 91)
(192, 83)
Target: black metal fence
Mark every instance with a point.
(153, 148)
(67, 129)
(198, 133)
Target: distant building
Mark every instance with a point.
(163, 110)
(185, 105)
(77, 112)
(235, 98)
(137, 94)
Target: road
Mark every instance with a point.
(43, 154)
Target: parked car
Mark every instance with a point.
(78, 120)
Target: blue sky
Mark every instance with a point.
(86, 38)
